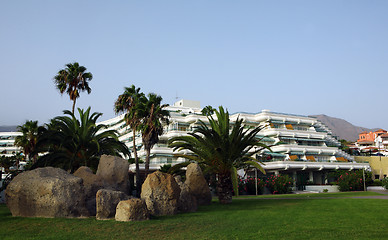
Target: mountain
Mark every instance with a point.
(342, 128)
(8, 128)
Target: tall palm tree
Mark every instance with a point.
(154, 115)
(73, 79)
(72, 143)
(27, 141)
(128, 103)
(223, 148)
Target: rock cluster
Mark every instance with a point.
(106, 203)
(53, 192)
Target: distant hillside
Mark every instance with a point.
(8, 128)
(341, 128)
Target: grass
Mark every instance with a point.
(338, 217)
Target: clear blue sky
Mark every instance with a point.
(302, 57)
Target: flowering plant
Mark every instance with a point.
(247, 185)
(352, 181)
(279, 184)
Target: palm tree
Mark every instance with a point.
(223, 148)
(73, 79)
(27, 141)
(128, 103)
(153, 114)
(71, 143)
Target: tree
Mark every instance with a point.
(71, 143)
(153, 115)
(7, 162)
(27, 141)
(129, 103)
(73, 79)
(208, 110)
(223, 148)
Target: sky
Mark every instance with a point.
(299, 57)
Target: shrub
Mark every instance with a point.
(325, 190)
(248, 186)
(350, 181)
(310, 182)
(384, 183)
(376, 182)
(279, 184)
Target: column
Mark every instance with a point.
(294, 176)
(311, 176)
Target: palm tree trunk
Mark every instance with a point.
(147, 162)
(224, 188)
(138, 183)
(73, 105)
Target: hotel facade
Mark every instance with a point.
(7, 144)
(302, 147)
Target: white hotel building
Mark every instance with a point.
(305, 148)
(7, 144)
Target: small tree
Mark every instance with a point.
(70, 142)
(223, 148)
(27, 141)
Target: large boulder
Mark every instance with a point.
(161, 194)
(106, 203)
(92, 183)
(197, 184)
(187, 202)
(134, 209)
(46, 192)
(114, 172)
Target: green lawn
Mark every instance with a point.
(249, 218)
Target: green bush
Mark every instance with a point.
(376, 182)
(384, 183)
(279, 184)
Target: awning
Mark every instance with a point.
(311, 158)
(277, 121)
(341, 159)
(296, 153)
(274, 154)
(303, 139)
(289, 127)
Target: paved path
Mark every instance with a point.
(384, 196)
